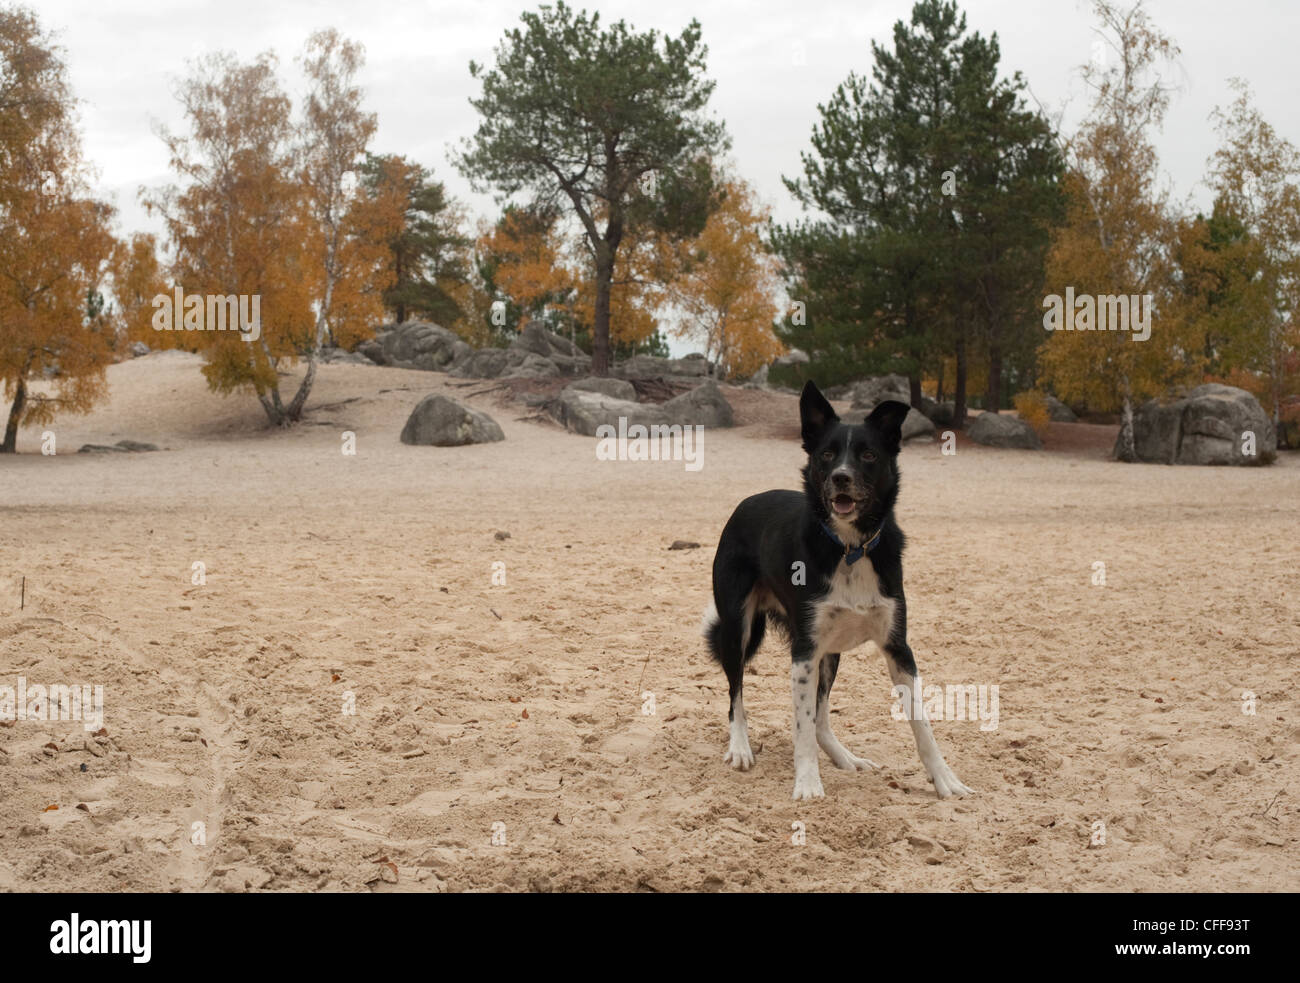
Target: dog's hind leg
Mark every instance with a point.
(839, 754)
(907, 686)
(732, 640)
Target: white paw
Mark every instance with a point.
(740, 758)
(947, 784)
(808, 786)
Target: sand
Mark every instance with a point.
(1122, 759)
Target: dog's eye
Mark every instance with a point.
(868, 457)
(828, 455)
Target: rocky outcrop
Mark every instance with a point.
(584, 411)
(995, 430)
(1209, 425)
(703, 406)
(416, 345)
(439, 421)
(869, 392)
(692, 367)
(618, 388)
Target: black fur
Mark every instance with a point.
(770, 533)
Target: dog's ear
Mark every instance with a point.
(887, 420)
(815, 415)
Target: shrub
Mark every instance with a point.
(1032, 408)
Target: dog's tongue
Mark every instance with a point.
(843, 504)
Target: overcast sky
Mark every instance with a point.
(773, 63)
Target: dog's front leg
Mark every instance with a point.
(804, 673)
(907, 686)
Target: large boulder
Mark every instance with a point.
(535, 339)
(416, 345)
(440, 421)
(869, 392)
(942, 414)
(1206, 426)
(694, 366)
(618, 388)
(704, 405)
(1058, 412)
(585, 411)
(483, 363)
(532, 366)
(917, 426)
(995, 430)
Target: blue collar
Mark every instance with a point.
(853, 554)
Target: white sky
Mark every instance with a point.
(124, 56)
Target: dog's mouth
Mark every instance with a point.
(843, 504)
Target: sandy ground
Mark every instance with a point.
(516, 710)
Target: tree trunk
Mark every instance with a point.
(993, 397)
(10, 445)
(294, 413)
(1126, 446)
(959, 390)
(914, 387)
(600, 330)
(938, 395)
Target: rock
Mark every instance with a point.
(535, 340)
(137, 349)
(917, 426)
(1059, 412)
(837, 393)
(693, 366)
(795, 356)
(869, 392)
(585, 411)
(122, 446)
(442, 422)
(703, 405)
(533, 366)
(417, 345)
(372, 350)
(995, 430)
(618, 388)
(683, 544)
(483, 363)
(943, 414)
(1205, 426)
(332, 356)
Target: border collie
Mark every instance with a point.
(826, 566)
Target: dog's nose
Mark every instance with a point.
(841, 479)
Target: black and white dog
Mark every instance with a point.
(827, 567)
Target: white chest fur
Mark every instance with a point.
(853, 611)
